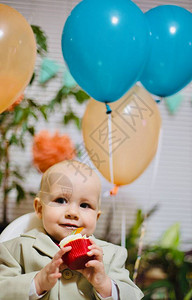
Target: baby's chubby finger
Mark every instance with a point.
(57, 261)
(61, 252)
(95, 250)
(94, 264)
(98, 254)
(92, 242)
(94, 245)
(66, 249)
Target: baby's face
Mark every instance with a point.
(70, 199)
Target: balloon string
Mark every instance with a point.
(110, 142)
(143, 227)
(114, 191)
(123, 229)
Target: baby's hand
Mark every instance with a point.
(48, 276)
(95, 272)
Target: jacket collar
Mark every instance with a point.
(42, 241)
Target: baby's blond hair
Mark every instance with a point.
(49, 177)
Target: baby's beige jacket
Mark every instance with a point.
(21, 258)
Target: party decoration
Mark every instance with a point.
(68, 80)
(17, 102)
(169, 66)
(173, 102)
(50, 149)
(136, 125)
(49, 69)
(105, 45)
(17, 55)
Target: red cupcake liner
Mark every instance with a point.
(77, 257)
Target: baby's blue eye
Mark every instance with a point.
(60, 200)
(84, 205)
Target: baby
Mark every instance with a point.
(32, 266)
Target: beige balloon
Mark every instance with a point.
(136, 123)
(17, 55)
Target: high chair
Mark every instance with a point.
(20, 225)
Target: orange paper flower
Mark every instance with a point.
(49, 150)
(18, 100)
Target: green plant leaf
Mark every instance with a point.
(20, 192)
(13, 139)
(3, 116)
(31, 130)
(78, 122)
(32, 78)
(188, 296)
(159, 284)
(134, 231)
(171, 237)
(24, 127)
(43, 110)
(80, 96)
(32, 103)
(21, 141)
(71, 117)
(32, 113)
(17, 174)
(41, 39)
(133, 235)
(7, 190)
(32, 194)
(61, 94)
(182, 278)
(177, 256)
(18, 115)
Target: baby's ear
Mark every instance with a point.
(38, 207)
(98, 214)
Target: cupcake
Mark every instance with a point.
(77, 257)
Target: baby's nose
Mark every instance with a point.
(72, 213)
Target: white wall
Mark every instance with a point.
(171, 190)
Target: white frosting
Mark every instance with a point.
(70, 238)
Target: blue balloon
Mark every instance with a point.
(105, 45)
(169, 67)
